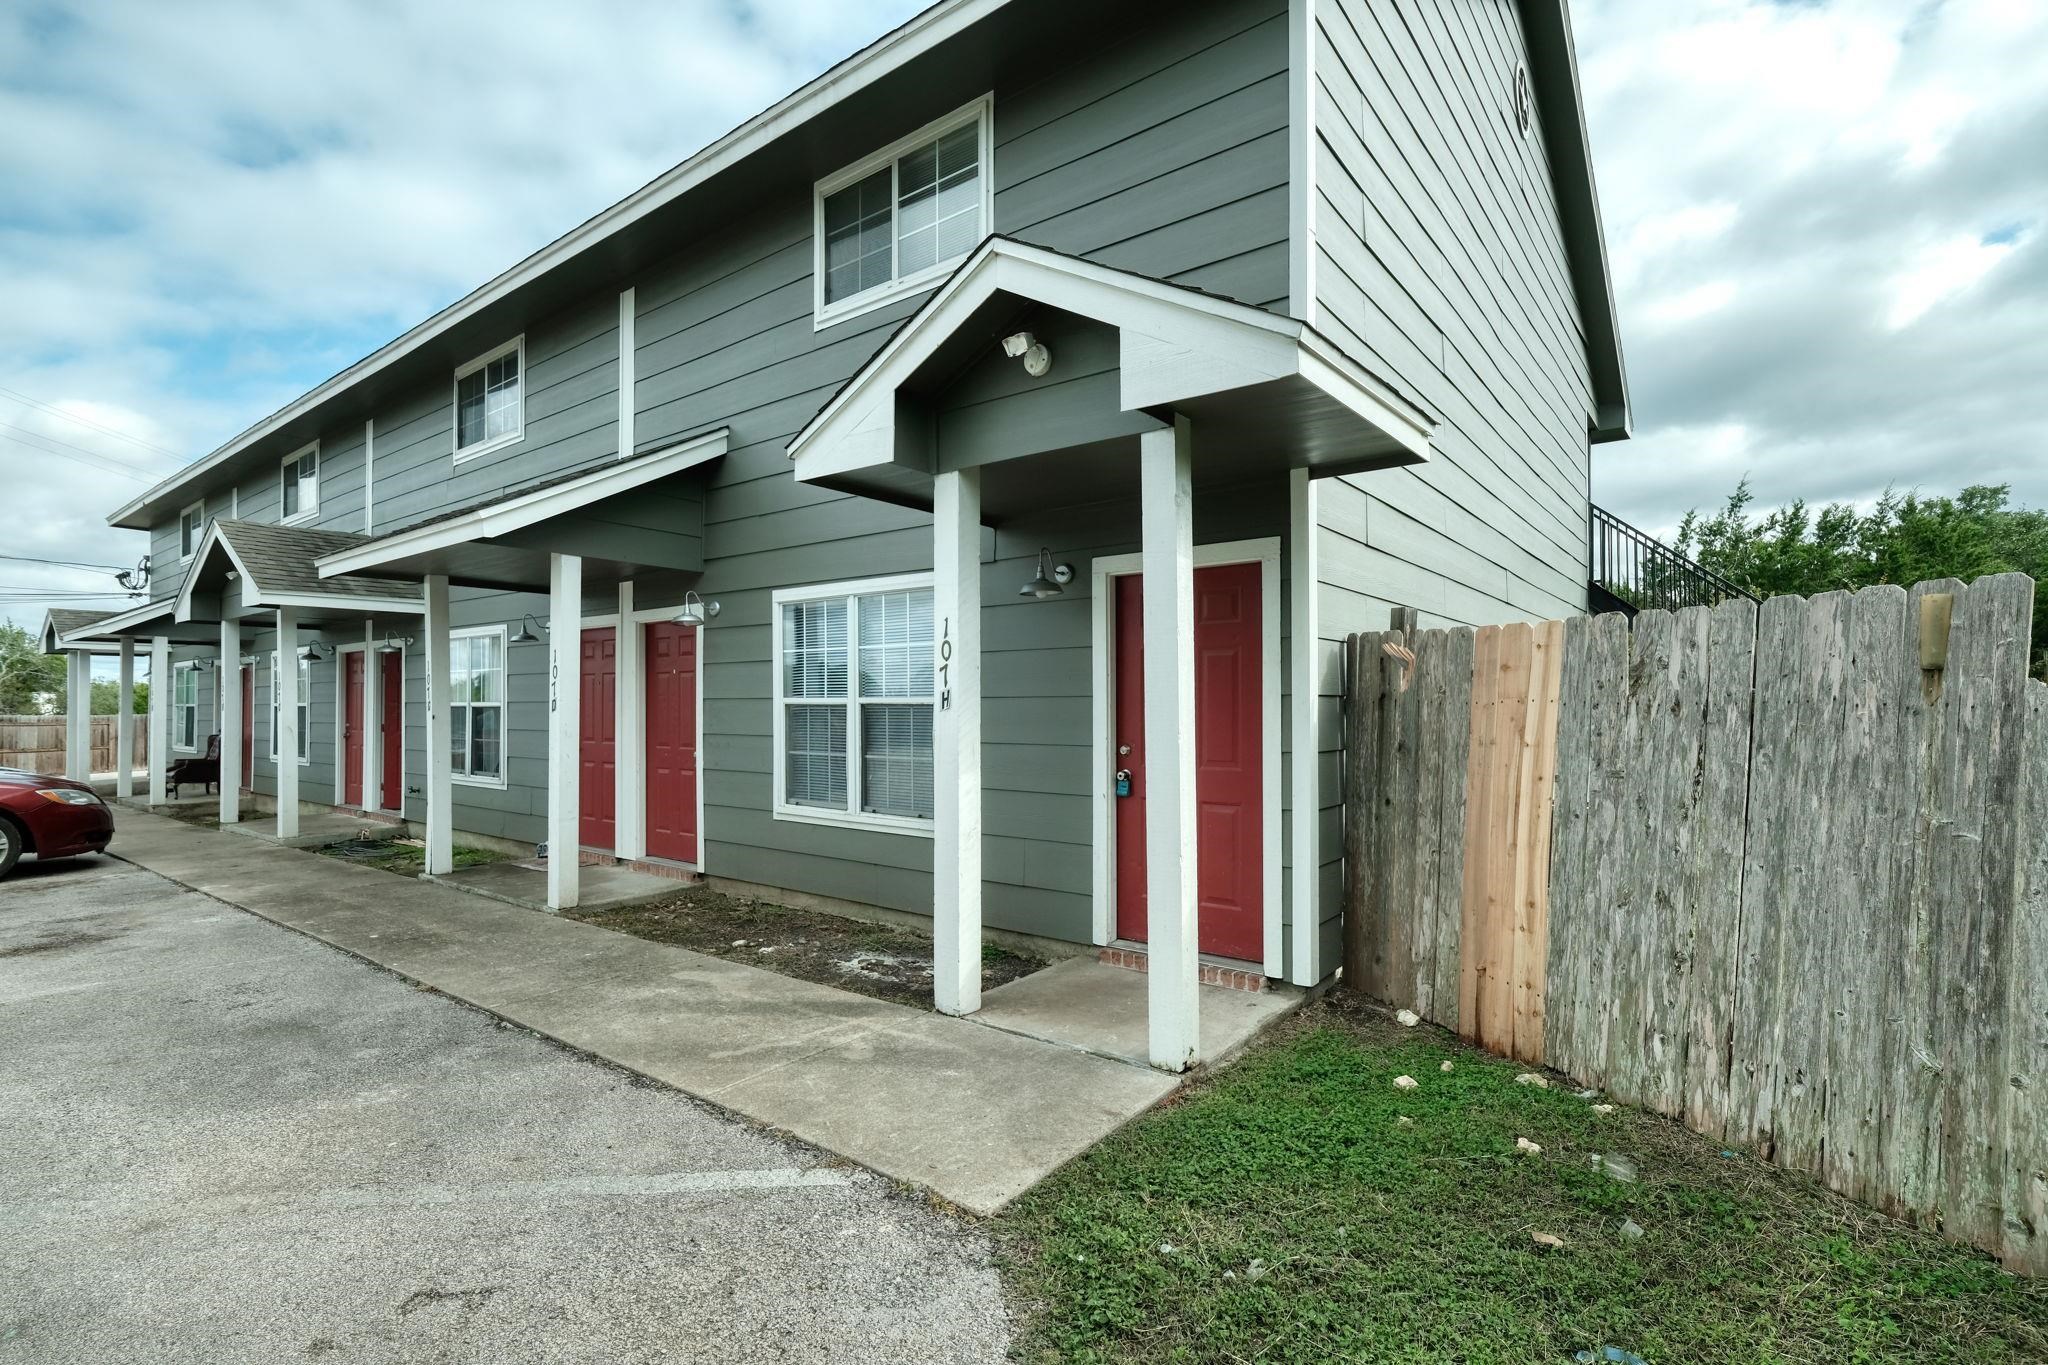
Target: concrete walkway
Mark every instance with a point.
(976, 1114)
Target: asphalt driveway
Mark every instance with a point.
(222, 1141)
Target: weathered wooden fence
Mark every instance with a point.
(36, 743)
(1779, 872)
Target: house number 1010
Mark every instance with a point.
(945, 664)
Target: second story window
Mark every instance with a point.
(905, 216)
(299, 491)
(490, 406)
(191, 525)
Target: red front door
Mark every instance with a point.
(352, 729)
(598, 750)
(1229, 786)
(248, 729)
(672, 742)
(391, 718)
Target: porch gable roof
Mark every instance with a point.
(277, 568)
(66, 628)
(1178, 348)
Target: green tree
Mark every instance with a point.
(106, 698)
(31, 682)
(1903, 539)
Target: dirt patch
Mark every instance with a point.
(873, 959)
(405, 857)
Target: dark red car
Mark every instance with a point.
(51, 817)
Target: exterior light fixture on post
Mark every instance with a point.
(526, 635)
(1037, 359)
(695, 611)
(1051, 580)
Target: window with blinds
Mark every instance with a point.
(854, 697)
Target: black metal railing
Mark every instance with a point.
(1633, 572)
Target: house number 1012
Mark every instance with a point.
(945, 664)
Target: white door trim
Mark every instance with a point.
(1265, 552)
(341, 726)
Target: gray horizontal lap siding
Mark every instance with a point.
(1440, 262)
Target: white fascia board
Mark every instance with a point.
(205, 546)
(1358, 389)
(321, 601)
(878, 60)
(515, 513)
(135, 616)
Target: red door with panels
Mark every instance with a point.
(598, 750)
(391, 717)
(352, 728)
(248, 728)
(1229, 761)
(672, 742)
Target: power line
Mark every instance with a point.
(60, 441)
(21, 397)
(64, 563)
(78, 456)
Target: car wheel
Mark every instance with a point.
(10, 845)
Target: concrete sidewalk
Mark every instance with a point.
(975, 1114)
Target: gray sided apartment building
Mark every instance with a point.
(870, 453)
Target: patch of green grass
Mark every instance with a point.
(1283, 1212)
(405, 859)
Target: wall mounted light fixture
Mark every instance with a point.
(394, 644)
(695, 611)
(1037, 359)
(1051, 580)
(527, 626)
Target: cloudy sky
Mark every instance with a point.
(1826, 221)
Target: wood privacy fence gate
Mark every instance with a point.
(1780, 872)
(36, 743)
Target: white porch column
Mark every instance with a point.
(565, 729)
(124, 731)
(373, 713)
(78, 716)
(440, 790)
(1304, 706)
(159, 719)
(956, 742)
(629, 797)
(230, 722)
(285, 681)
(1172, 978)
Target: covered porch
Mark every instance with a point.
(1037, 400)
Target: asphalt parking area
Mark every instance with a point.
(223, 1141)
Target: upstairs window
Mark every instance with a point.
(905, 216)
(191, 525)
(490, 406)
(854, 699)
(299, 495)
(476, 714)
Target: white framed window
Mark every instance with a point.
(854, 696)
(185, 707)
(191, 526)
(490, 402)
(476, 711)
(298, 497)
(304, 708)
(899, 220)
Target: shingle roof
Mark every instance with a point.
(280, 559)
(63, 621)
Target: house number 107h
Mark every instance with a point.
(945, 664)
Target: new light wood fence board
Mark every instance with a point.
(1751, 867)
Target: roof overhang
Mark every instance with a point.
(1554, 70)
(1250, 380)
(147, 621)
(62, 633)
(506, 543)
(254, 592)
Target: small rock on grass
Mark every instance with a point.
(1548, 1239)
(1445, 1067)
(1403, 1121)
(1407, 1018)
(1603, 1108)
(1531, 1078)
(1527, 1147)
(1405, 1082)
(1631, 1230)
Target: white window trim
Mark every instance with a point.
(178, 671)
(307, 511)
(517, 434)
(981, 111)
(854, 817)
(503, 780)
(305, 700)
(198, 534)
